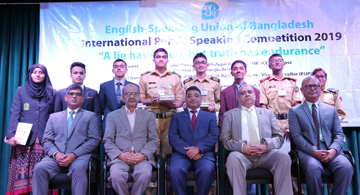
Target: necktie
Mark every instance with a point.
(254, 140)
(118, 92)
(317, 125)
(69, 122)
(193, 119)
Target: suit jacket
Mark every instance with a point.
(83, 138)
(269, 130)
(228, 101)
(91, 103)
(119, 138)
(108, 100)
(204, 136)
(302, 128)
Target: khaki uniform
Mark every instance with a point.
(168, 84)
(330, 96)
(210, 89)
(279, 96)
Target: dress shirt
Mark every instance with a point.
(196, 114)
(75, 112)
(131, 118)
(317, 109)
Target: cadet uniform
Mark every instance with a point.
(279, 96)
(168, 84)
(209, 87)
(330, 96)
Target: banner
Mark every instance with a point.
(307, 33)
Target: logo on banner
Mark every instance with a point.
(210, 11)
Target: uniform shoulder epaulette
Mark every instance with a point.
(292, 78)
(147, 72)
(176, 73)
(262, 80)
(188, 80)
(333, 90)
(215, 79)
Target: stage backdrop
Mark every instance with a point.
(307, 33)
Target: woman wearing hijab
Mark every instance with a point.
(32, 103)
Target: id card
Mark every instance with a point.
(204, 92)
(282, 93)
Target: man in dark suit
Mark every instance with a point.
(130, 141)
(110, 91)
(193, 134)
(253, 137)
(69, 138)
(91, 97)
(316, 132)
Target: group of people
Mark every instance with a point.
(179, 118)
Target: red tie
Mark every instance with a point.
(193, 119)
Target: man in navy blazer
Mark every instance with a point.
(317, 134)
(193, 140)
(108, 90)
(91, 97)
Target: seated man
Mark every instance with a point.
(193, 134)
(69, 138)
(317, 134)
(253, 137)
(130, 141)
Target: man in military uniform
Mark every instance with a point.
(209, 86)
(329, 96)
(279, 93)
(156, 88)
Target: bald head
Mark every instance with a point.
(246, 96)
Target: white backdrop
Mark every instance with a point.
(308, 33)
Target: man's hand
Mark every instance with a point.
(197, 157)
(127, 157)
(138, 157)
(59, 157)
(13, 141)
(192, 151)
(65, 160)
(255, 150)
(320, 155)
(330, 155)
(211, 108)
(287, 134)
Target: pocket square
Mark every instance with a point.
(88, 97)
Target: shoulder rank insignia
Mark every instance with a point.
(215, 79)
(262, 80)
(333, 90)
(176, 73)
(292, 78)
(147, 72)
(188, 80)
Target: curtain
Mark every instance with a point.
(19, 49)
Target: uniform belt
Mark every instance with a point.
(162, 114)
(281, 116)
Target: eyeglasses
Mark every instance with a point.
(310, 86)
(320, 76)
(131, 94)
(74, 93)
(278, 60)
(198, 63)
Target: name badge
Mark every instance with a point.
(204, 92)
(282, 93)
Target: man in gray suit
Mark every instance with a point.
(253, 137)
(317, 134)
(130, 142)
(69, 138)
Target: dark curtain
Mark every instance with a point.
(19, 49)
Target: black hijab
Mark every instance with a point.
(39, 90)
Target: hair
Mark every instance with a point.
(318, 70)
(274, 55)
(77, 64)
(238, 61)
(308, 78)
(193, 88)
(130, 85)
(73, 87)
(199, 55)
(160, 50)
(119, 60)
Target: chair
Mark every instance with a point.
(327, 177)
(154, 182)
(62, 181)
(190, 177)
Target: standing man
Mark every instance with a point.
(209, 86)
(153, 86)
(110, 91)
(193, 134)
(279, 93)
(91, 100)
(317, 134)
(329, 96)
(130, 142)
(69, 138)
(253, 138)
